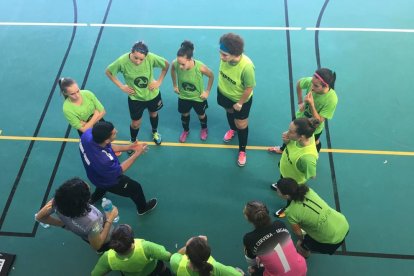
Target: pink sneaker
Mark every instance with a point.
(241, 161)
(183, 136)
(203, 134)
(228, 136)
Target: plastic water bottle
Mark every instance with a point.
(44, 225)
(107, 206)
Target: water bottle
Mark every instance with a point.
(44, 225)
(107, 206)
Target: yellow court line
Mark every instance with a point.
(219, 146)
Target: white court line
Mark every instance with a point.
(197, 27)
(42, 24)
(362, 30)
(206, 27)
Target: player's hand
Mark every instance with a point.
(176, 90)
(309, 98)
(237, 106)
(204, 95)
(285, 137)
(125, 88)
(154, 85)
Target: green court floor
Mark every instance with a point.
(365, 168)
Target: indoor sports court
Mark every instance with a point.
(365, 167)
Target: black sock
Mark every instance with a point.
(185, 121)
(154, 123)
(203, 121)
(230, 119)
(134, 133)
(318, 146)
(243, 135)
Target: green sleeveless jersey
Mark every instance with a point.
(190, 82)
(290, 157)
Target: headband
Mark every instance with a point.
(224, 48)
(321, 79)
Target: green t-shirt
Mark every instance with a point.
(218, 270)
(77, 113)
(235, 78)
(140, 76)
(299, 162)
(152, 251)
(325, 104)
(190, 82)
(317, 219)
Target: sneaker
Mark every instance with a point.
(183, 136)
(241, 161)
(131, 152)
(228, 136)
(280, 213)
(203, 134)
(150, 206)
(273, 186)
(156, 137)
(275, 149)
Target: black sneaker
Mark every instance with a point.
(274, 186)
(280, 213)
(150, 206)
(131, 152)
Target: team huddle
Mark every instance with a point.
(269, 249)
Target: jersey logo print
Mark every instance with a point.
(188, 86)
(227, 78)
(141, 82)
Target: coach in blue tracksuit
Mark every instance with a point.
(104, 169)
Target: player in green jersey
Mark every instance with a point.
(81, 107)
(235, 90)
(137, 68)
(324, 228)
(190, 88)
(320, 101)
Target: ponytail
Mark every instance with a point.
(257, 213)
(64, 83)
(306, 126)
(288, 186)
(198, 252)
(186, 49)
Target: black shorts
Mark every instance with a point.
(227, 104)
(317, 136)
(136, 108)
(184, 106)
(324, 248)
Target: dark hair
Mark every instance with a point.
(198, 253)
(234, 43)
(140, 47)
(64, 83)
(288, 186)
(102, 131)
(306, 126)
(186, 49)
(257, 213)
(121, 239)
(72, 198)
(328, 76)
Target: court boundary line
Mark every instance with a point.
(205, 145)
(201, 27)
